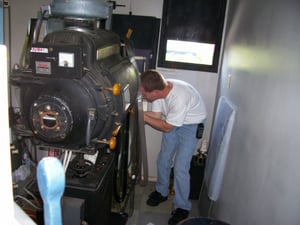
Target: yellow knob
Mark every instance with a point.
(129, 32)
(116, 89)
(112, 143)
(116, 131)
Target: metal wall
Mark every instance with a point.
(260, 76)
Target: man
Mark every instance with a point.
(177, 110)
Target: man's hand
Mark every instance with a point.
(154, 119)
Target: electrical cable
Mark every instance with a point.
(130, 8)
(32, 195)
(68, 161)
(28, 202)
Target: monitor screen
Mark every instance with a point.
(189, 52)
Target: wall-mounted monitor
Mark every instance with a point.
(191, 34)
(190, 52)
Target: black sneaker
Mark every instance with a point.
(178, 215)
(155, 198)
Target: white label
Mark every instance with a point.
(39, 50)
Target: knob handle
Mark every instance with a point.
(115, 89)
(112, 142)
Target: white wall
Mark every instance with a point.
(206, 83)
(10, 212)
(5, 166)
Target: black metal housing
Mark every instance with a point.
(66, 97)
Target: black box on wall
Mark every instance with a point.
(144, 36)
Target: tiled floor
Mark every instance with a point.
(147, 215)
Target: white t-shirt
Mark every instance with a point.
(182, 106)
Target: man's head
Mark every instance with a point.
(152, 85)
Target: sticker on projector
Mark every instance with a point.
(39, 50)
(43, 67)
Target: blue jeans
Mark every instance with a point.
(179, 144)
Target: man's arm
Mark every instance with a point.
(154, 120)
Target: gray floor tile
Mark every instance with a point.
(147, 215)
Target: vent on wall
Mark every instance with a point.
(218, 148)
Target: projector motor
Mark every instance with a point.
(80, 86)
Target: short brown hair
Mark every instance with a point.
(153, 80)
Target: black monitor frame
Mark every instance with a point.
(199, 21)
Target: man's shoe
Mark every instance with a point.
(155, 198)
(178, 215)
